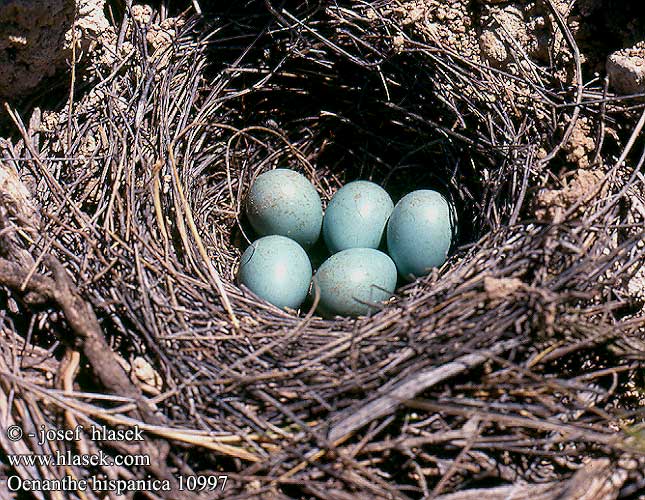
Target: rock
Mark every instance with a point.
(626, 70)
(95, 37)
(92, 27)
(32, 42)
(36, 38)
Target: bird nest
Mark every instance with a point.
(514, 370)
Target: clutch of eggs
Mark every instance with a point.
(284, 208)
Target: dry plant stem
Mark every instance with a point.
(67, 373)
(222, 444)
(570, 431)
(599, 479)
(15, 447)
(408, 389)
(217, 280)
(454, 467)
(72, 84)
(573, 46)
(600, 185)
(81, 319)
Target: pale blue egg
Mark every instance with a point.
(276, 269)
(284, 202)
(356, 216)
(419, 232)
(353, 282)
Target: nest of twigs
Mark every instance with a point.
(514, 371)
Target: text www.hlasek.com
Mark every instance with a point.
(67, 459)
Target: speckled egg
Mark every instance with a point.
(284, 202)
(419, 232)
(276, 269)
(352, 282)
(356, 216)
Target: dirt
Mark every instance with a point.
(500, 288)
(32, 42)
(482, 31)
(503, 26)
(449, 23)
(552, 203)
(485, 30)
(517, 37)
(142, 14)
(94, 34)
(37, 36)
(96, 43)
(581, 144)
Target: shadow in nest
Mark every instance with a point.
(313, 99)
